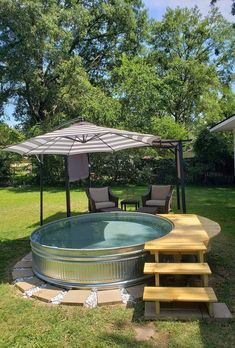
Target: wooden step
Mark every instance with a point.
(174, 247)
(177, 268)
(171, 294)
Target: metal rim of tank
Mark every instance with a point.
(128, 248)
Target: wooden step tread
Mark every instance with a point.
(177, 268)
(177, 247)
(170, 294)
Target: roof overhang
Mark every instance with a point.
(225, 125)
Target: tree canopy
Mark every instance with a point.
(9, 135)
(185, 72)
(51, 50)
(193, 57)
(107, 61)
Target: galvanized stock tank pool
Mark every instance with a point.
(104, 250)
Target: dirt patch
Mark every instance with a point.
(144, 333)
(162, 339)
(148, 333)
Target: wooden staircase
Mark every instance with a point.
(185, 294)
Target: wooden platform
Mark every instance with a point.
(190, 228)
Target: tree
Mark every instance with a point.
(8, 136)
(47, 45)
(167, 128)
(193, 56)
(212, 150)
(184, 76)
(136, 87)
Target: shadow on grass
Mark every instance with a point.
(29, 188)
(215, 334)
(138, 313)
(57, 216)
(11, 251)
(122, 340)
(129, 190)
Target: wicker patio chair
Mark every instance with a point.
(100, 198)
(159, 196)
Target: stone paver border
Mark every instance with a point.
(31, 286)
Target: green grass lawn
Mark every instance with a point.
(30, 323)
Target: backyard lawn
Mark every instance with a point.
(30, 323)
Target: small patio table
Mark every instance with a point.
(126, 202)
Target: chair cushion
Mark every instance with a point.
(102, 205)
(160, 192)
(99, 194)
(156, 202)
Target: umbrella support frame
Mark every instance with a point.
(176, 146)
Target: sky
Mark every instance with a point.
(156, 9)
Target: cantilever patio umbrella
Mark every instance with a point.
(78, 138)
(82, 137)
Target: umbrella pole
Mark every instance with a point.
(67, 186)
(41, 190)
(177, 178)
(89, 169)
(181, 170)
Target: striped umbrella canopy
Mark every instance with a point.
(82, 137)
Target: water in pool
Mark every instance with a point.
(102, 231)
